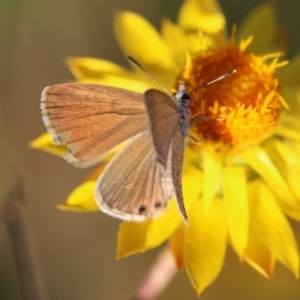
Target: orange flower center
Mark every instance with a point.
(247, 102)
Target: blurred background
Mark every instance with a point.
(76, 252)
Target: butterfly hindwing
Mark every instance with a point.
(134, 187)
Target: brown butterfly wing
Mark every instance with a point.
(168, 137)
(91, 119)
(177, 162)
(134, 186)
(164, 115)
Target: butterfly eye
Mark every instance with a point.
(185, 98)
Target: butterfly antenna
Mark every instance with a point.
(148, 74)
(213, 81)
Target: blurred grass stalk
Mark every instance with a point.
(18, 228)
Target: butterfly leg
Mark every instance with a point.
(196, 140)
(203, 118)
(197, 118)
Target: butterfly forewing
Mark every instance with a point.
(91, 119)
(134, 186)
(168, 126)
(164, 115)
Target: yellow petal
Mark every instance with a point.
(139, 237)
(176, 244)
(45, 142)
(211, 182)
(138, 38)
(122, 82)
(261, 17)
(91, 70)
(257, 254)
(291, 74)
(199, 42)
(287, 132)
(175, 39)
(205, 246)
(81, 199)
(86, 67)
(291, 95)
(296, 147)
(202, 15)
(259, 160)
(234, 184)
(292, 122)
(288, 163)
(259, 257)
(273, 228)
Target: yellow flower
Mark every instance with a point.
(241, 182)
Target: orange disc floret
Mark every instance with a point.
(244, 107)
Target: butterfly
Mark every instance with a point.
(93, 119)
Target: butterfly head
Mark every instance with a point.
(181, 96)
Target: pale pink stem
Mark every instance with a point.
(158, 277)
